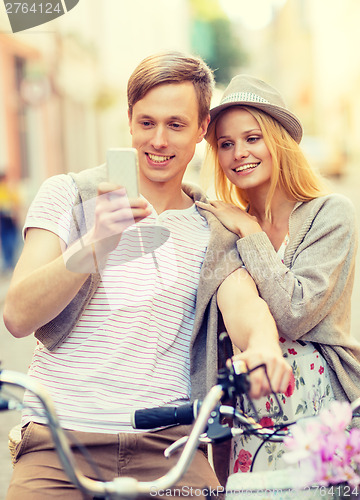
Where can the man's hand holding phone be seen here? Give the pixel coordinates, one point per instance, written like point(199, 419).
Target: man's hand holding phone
point(114, 212)
point(118, 206)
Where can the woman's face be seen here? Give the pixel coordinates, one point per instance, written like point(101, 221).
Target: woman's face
point(243, 154)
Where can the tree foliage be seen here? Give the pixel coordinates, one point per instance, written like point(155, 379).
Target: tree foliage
point(214, 39)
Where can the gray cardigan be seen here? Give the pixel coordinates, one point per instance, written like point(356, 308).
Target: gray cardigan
point(221, 259)
point(310, 294)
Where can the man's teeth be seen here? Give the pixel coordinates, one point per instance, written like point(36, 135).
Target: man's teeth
point(246, 167)
point(158, 159)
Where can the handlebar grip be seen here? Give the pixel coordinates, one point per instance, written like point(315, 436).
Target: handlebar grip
point(162, 416)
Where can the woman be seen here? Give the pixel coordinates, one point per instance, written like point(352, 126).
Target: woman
point(297, 241)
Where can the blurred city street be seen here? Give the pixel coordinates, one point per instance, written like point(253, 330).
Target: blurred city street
point(16, 354)
point(63, 99)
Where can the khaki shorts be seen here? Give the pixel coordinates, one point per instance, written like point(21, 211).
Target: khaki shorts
point(38, 474)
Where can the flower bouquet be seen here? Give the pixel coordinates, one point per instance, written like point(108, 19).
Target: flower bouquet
point(323, 455)
point(327, 450)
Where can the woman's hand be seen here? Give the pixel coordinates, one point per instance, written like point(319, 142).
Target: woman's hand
point(277, 369)
point(233, 218)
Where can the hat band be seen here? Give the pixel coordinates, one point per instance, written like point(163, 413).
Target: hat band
point(243, 96)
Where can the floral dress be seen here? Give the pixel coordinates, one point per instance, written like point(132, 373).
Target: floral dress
point(308, 392)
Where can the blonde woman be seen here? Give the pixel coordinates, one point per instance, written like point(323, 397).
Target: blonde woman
point(297, 241)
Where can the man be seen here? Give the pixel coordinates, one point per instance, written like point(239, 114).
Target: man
point(117, 334)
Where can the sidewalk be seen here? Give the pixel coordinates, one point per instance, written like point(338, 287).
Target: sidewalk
point(15, 354)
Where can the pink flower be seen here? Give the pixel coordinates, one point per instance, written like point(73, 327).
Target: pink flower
point(300, 444)
point(321, 370)
point(312, 366)
point(328, 453)
point(352, 448)
point(337, 417)
point(243, 461)
point(292, 351)
point(282, 340)
point(268, 406)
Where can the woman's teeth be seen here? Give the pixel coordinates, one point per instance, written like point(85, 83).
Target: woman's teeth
point(248, 166)
point(158, 159)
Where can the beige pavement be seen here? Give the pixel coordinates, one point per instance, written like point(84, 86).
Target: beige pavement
point(16, 354)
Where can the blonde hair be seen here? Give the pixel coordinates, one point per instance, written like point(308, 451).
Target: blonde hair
point(291, 170)
point(171, 68)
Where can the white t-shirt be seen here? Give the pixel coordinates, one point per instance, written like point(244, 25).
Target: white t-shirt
point(130, 348)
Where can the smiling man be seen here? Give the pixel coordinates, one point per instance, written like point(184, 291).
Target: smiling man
point(99, 362)
point(102, 361)
point(165, 128)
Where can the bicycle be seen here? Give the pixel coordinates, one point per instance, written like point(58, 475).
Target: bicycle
point(208, 428)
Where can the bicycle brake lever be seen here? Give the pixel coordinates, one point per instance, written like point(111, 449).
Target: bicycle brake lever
point(216, 431)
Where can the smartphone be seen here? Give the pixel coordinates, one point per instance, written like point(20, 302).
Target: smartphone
point(122, 169)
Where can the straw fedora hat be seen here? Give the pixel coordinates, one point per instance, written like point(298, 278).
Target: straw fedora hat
point(245, 90)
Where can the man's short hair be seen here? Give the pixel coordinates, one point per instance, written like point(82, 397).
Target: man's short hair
point(172, 67)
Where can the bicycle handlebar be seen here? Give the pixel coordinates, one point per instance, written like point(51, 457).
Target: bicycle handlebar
point(151, 418)
point(122, 487)
point(205, 415)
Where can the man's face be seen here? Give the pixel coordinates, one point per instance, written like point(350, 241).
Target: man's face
point(165, 130)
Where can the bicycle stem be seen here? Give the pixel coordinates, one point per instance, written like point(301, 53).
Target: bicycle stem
point(174, 474)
